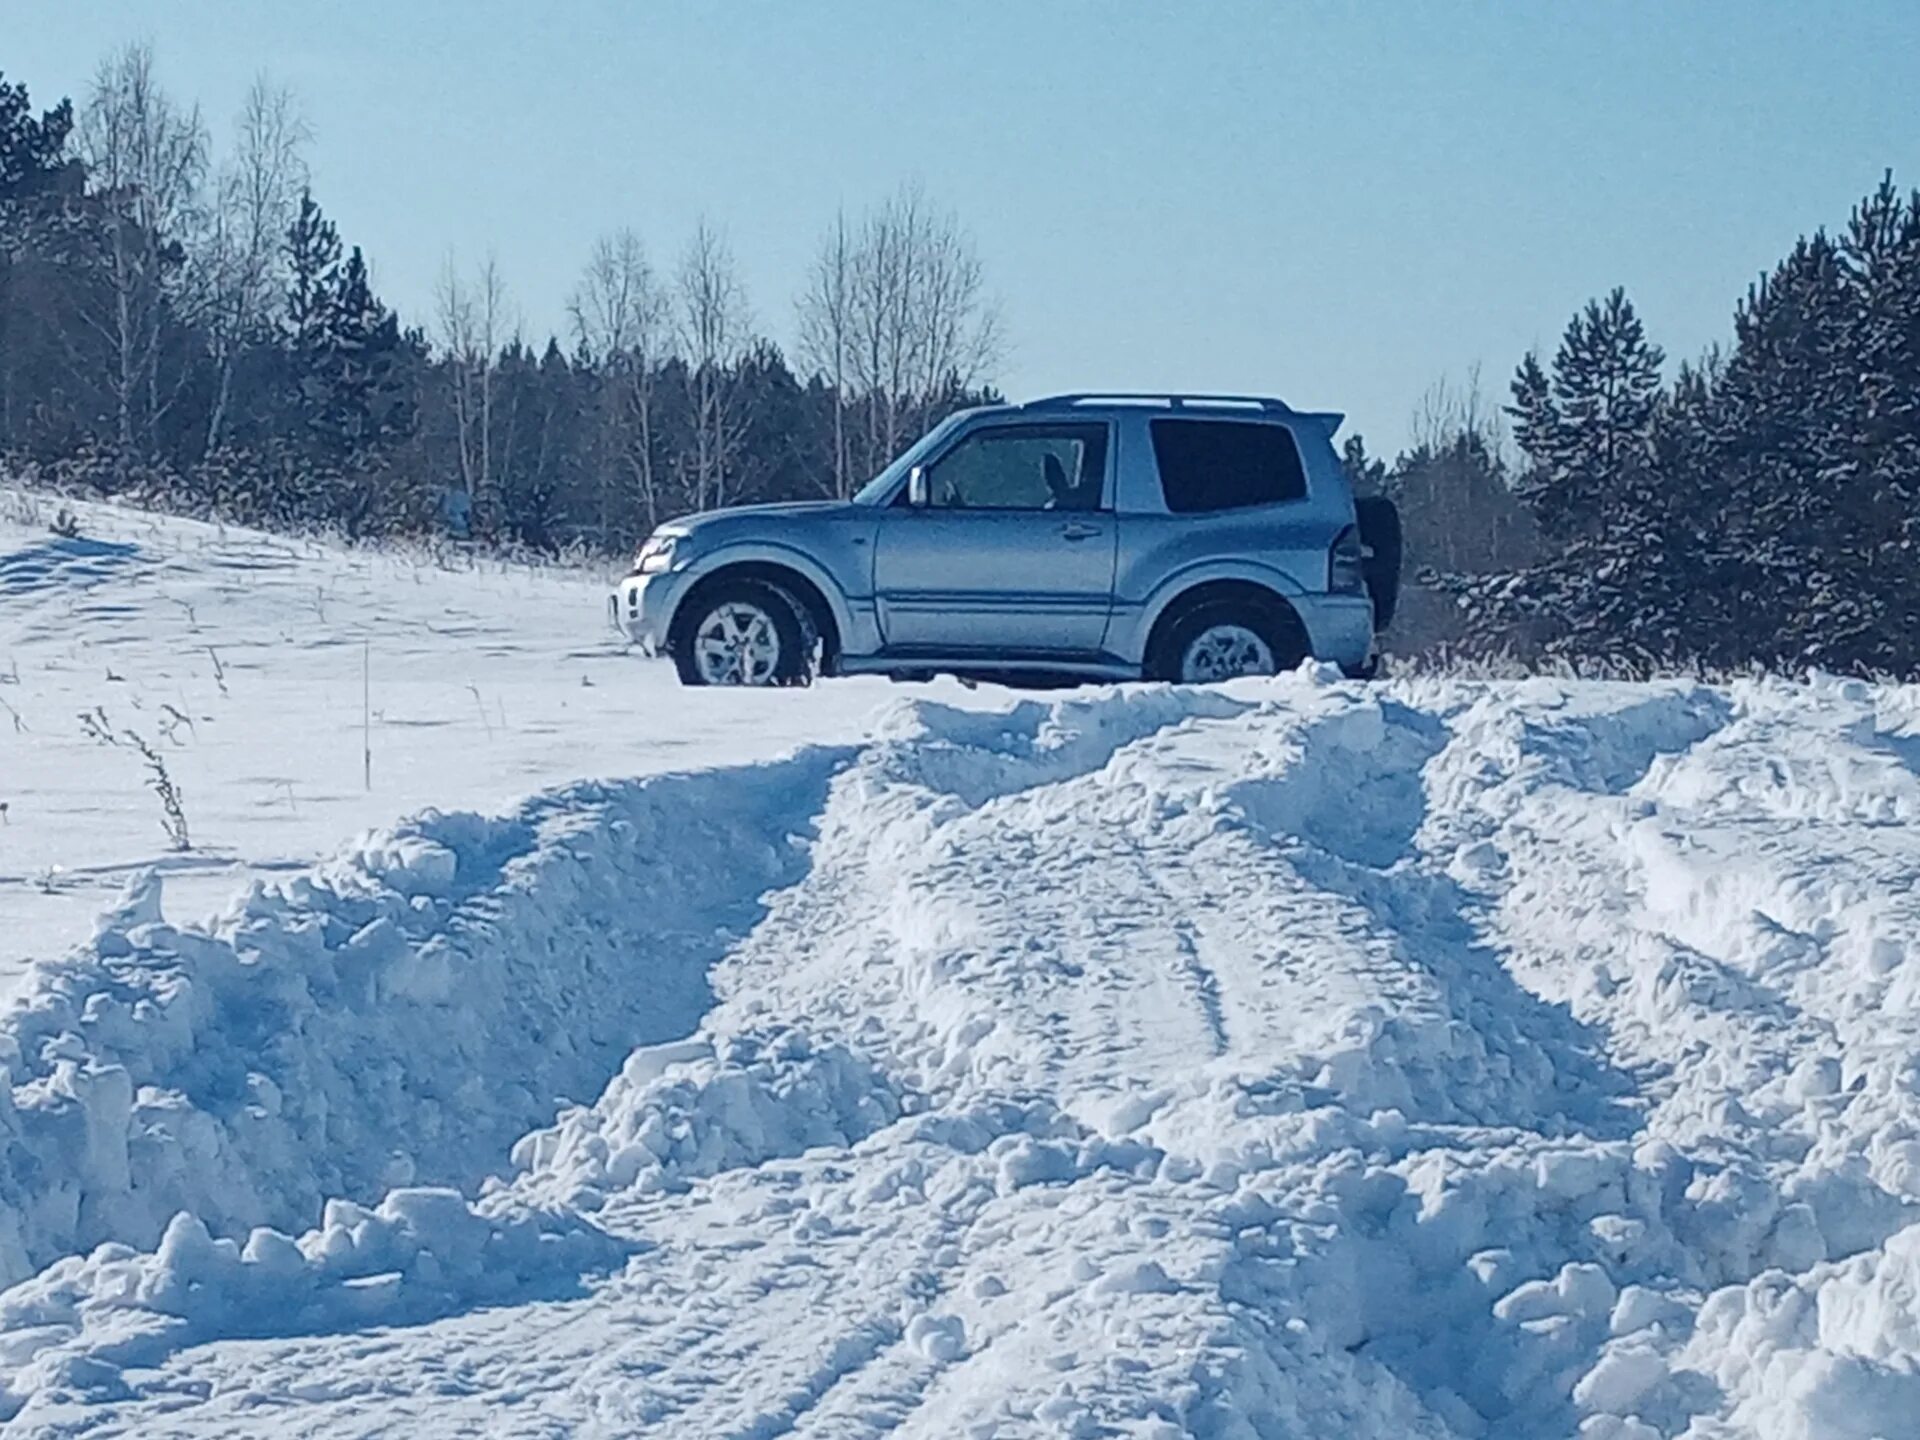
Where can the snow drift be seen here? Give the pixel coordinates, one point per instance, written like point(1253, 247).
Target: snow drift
point(1427, 1059)
point(399, 1016)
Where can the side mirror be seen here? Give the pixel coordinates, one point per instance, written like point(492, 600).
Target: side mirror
point(917, 487)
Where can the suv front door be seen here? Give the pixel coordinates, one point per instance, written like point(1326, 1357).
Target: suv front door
point(1013, 552)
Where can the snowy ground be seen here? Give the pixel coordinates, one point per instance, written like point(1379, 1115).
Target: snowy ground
point(1430, 1059)
point(239, 657)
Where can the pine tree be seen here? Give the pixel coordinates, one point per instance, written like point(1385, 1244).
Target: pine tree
point(1710, 568)
point(1608, 587)
point(1880, 464)
point(32, 152)
point(1366, 474)
point(560, 442)
point(1778, 463)
point(363, 401)
point(1536, 429)
point(1606, 383)
point(34, 175)
point(352, 370)
point(313, 260)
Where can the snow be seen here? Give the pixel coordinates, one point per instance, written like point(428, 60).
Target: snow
point(240, 656)
point(1425, 1059)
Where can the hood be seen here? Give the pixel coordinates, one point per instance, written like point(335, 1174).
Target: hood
point(812, 509)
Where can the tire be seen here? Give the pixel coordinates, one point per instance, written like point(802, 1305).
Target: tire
point(738, 619)
point(1278, 634)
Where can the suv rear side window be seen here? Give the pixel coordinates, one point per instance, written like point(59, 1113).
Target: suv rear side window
point(1226, 464)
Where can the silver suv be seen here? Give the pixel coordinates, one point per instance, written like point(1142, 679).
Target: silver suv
point(1178, 537)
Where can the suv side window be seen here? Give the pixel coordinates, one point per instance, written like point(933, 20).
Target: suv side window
point(1226, 464)
point(1022, 467)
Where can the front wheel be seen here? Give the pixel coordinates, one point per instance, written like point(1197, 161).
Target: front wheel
point(1220, 642)
point(745, 633)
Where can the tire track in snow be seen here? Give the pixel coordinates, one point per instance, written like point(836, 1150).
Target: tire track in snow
point(1205, 983)
point(891, 902)
point(1114, 788)
point(846, 1346)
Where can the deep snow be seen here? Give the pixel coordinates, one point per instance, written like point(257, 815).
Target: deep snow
point(1298, 1058)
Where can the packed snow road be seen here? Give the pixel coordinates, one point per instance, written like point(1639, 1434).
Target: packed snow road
point(1426, 1059)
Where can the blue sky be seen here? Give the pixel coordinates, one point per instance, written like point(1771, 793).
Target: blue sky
point(1338, 203)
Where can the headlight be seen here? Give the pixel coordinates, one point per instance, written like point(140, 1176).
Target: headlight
point(656, 555)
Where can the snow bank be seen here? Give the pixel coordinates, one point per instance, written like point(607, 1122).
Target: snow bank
point(400, 1016)
point(1434, 1060)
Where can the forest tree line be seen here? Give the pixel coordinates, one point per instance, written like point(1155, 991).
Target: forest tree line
point(191, 330)
point(1760, 508)
point(194, 331)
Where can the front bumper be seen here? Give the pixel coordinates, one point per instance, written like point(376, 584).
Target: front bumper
point(642, 608)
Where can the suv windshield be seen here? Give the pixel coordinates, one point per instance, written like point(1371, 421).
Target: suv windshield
point(875, 490)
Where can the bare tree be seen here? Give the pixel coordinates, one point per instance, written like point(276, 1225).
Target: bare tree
point(959, 329)
point(620, 316)
point(921, 324)
point(147, 159)
point(257, 192)
point(474, 325)
point(712, 323)
point(827, 334)
point(1448, 409)
point(454, 319)
point(1453, 483)
point(883, 334)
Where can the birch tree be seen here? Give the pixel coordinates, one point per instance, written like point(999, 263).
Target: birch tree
point(147, 159)
point(827, 335)
point(620, 318)
point(711, 320)
point(897, 314)
point(474, 325)
point(257, 195)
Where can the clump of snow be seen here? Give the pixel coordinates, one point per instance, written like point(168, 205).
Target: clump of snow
point(1829, 1352)
point(418, 1254)
point(677, 1112)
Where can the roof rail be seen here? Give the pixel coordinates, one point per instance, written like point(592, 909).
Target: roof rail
point(1170, 401)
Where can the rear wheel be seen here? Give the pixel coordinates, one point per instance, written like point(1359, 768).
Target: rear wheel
point(1225, 640)
point(745, 632)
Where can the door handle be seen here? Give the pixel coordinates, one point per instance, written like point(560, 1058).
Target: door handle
point(1079, 532)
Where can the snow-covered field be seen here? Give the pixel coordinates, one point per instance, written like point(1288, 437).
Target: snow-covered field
point(1428, 1059)
point(264, 669)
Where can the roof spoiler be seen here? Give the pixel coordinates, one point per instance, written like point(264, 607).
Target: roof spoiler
point(1329, 420)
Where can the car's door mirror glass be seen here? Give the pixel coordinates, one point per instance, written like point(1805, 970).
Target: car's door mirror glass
point(917, 486)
